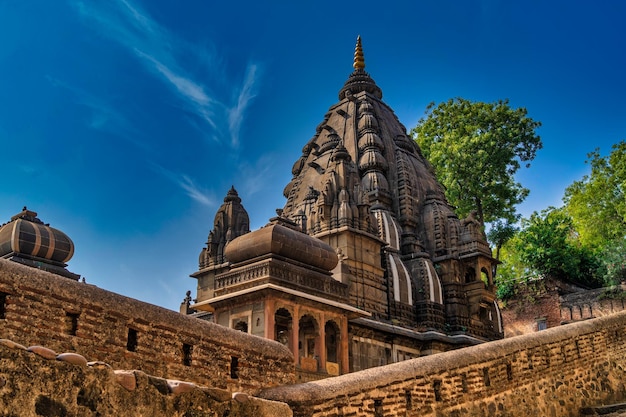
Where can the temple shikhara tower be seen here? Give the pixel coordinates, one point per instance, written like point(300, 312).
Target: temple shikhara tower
point(366, 264)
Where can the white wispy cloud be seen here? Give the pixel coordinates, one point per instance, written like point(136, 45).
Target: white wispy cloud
point(194, 192)
point(256, 176)
point(245, 96)
point(161, 52)
point(185, 183)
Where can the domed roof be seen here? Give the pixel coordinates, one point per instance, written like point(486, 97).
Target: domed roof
point(280, 240)
point(26, 235)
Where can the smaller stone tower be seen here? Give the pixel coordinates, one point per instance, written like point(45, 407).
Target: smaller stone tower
point(231, 221)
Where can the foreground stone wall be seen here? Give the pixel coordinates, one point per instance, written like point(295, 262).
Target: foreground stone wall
point(32, 386)
point(40, 308)
point(555, 372)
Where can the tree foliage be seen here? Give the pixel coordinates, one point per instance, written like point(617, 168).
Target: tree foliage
point(597, 203)
point(548, 244)
point(583, 242)
point(476, 149)
point(500, 233)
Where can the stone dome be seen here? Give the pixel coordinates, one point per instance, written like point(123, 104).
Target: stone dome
point(277, 239)
point(28, 236)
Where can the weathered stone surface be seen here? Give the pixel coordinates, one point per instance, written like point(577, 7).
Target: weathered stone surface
point(42, 351)
point(32, 386)
point(217, 394)
point(267, 408)
point(73, 358)
point(126, 379)
point(241, 397)
point(178, 387)
point(11, 344)
point(99, 365)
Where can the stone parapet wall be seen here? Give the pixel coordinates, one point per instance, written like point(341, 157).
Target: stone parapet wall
point(591, 303)
point(39, 308)
point(32, 386)
point(555, 372)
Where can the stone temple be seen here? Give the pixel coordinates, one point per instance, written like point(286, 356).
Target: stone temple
point(366, 264)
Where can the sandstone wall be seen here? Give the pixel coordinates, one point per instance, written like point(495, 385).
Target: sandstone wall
point(524, 315)
point(39, 308)
point(554, 372)
point(591, 303)
point(32, 386)
point(536, 306)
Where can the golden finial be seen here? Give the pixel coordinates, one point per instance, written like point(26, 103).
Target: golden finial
point(359, 60)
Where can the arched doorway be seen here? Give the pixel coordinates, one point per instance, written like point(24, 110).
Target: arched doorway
point(308, 343)
point(331, 331)
point(283, 327)
point(332, 345)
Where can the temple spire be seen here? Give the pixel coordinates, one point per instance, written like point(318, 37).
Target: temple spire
point(359, 80)
point(359, 60)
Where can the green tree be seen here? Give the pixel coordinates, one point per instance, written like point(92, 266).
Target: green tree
point(548, 243)
point(512, 272)
point(597, 203)
point(476, 149)
point(500, 233)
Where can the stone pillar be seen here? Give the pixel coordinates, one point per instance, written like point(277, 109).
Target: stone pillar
point(343, 347)
point(322, 337)
point(269, 319)
point(296, 333)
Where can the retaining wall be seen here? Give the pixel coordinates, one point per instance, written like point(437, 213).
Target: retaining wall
point(554, 372)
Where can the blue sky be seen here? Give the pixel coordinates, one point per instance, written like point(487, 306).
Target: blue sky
point(125, 122)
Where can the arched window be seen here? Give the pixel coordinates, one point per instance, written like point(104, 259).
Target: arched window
point(241, 325)
point(484, 276)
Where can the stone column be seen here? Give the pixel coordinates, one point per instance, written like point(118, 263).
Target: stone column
point(270, 304)
point(296, 333)
point(342, 355)
point(322, 336)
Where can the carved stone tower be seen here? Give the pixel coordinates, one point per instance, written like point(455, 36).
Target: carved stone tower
point(407, 276)
point(231, 221)
point(363, 187)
